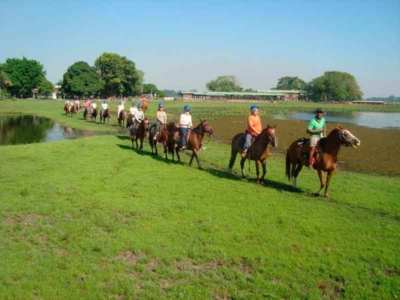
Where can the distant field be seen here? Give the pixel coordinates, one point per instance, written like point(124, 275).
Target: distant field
point(93, 219)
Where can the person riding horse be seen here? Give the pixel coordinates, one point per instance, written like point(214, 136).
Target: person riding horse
point(104, 107)
point(121, 107)
point(317, 130)
point(138, 118)
point(253, 128)
point(161, 119)
point(185, 125)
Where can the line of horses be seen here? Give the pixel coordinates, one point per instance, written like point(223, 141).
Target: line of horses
point(296, 156)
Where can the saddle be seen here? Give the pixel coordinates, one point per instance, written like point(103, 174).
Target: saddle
point(242, 139)
point(304, 151)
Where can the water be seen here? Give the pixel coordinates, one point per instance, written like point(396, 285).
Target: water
point(368, 119)
point(24, 129)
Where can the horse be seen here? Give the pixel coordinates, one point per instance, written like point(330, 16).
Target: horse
point(73, 109)
point(105, 114)
point(129, 121)
point(85, 112)
point(93, 115)
point(194, 138)
point(163, 137)
point(121, 118)
point(139, 133)
point(66, 108)
point(297, 156)
point(258, 151)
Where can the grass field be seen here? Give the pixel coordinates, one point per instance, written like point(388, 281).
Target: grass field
point(93, 219)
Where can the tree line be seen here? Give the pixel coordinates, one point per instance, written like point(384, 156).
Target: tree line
point(113, 75)
point(333, 85)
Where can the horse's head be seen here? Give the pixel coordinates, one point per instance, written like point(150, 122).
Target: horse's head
point(269, 132)
point(204, 127)
point(347, 138)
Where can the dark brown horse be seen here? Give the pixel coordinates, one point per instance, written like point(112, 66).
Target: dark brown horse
point(93, 115)
point(129, 121)
point(122, 118)
point(85, 112)
point(162, 137)
point(66, 108)
point(195, 136)
point(297, 156)
point(258, 151)
point(138, 132)
point(105, 114)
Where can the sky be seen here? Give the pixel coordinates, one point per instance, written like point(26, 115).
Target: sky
point(182, 45)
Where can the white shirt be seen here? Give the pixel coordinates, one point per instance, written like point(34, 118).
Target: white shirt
point(104, 105)
point(121, 107)
point(185, 121)
point(133, 110)
point(139, 115)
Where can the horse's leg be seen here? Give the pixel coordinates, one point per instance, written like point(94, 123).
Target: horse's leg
point(321, 180)
point(296, 168)
point(258, 171)
point(264, 168)
point(177, 153)
point(328, 182)
point(232, 160)
point(242, 161)
point(194, 154)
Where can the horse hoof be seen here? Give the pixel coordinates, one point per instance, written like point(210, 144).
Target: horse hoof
point(316, 194)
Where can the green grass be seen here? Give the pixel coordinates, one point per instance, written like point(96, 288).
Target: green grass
point(92, 219)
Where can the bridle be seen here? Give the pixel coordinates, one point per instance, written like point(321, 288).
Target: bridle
point(343, 137)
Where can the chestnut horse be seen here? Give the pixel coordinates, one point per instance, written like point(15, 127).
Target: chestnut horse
point(66, 108)
point(258, 150)
point(194, 138)
point(139, 133)
point(105, 114)
point(73, 109)
point(297, 156)
point(163, 137)
point(145, 105)
point(94, 114)
point(121, 118)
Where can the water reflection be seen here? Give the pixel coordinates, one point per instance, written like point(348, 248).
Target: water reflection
point(369, 119)
point(24, 129)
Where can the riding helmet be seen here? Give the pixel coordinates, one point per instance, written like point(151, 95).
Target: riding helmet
point(139, 105)
point(319, 110)
point(133, 103)
point(253, 107)
point(187, 107)
point(105, 101)
point(160, 105)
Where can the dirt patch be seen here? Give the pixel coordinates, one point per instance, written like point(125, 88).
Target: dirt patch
point(61, 252)
point(26, 221)
point(331, 289)
point(129, 257)
point(189, 267)
point(151, 266)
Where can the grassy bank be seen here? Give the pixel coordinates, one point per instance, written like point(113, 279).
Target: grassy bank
point(92, 219)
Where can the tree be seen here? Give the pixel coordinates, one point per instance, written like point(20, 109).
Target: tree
point(5, 81)
point(227, 83)
point(45, 87)
point(119, 75)
point(25, 75)
point(334, 85)
point(150, 88)
point(290, 83)
point(249, 90)
point(81, 80)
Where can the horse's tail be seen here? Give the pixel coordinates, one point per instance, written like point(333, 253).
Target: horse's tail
point(288, 165)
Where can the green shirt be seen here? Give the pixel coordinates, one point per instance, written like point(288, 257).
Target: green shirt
point(316, 124)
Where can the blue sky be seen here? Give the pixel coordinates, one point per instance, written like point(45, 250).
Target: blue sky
point(184, 44)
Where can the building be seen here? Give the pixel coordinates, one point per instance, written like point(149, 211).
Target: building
point(257, 95)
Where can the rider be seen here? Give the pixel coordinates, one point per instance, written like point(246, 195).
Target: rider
point(104, 106)
point(93, 106)
point(121, 107)
point(139, 117)
point(133, 110)
point(185, 124)
point(161, 119)
point(253, 128)
point(317, 129)
point(86, 104)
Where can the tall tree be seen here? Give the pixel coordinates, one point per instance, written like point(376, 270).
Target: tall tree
point(25, 75)
point(81, 80)
point(119, 75)
point(334, 85)
point(5, 81)
point(150, 88)
point(290, 83)
point(45, 87)
point(227, 83)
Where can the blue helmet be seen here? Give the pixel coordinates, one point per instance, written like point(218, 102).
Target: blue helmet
point(253, 107)
point(133, 103)
point(139, 105)
point(160, 105)
point(187, 107)
point(105, 101)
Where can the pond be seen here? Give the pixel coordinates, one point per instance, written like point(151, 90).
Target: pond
point(368, 119)
point(26, 129)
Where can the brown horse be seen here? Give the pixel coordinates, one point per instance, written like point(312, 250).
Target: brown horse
point(73, 109)
point(162, 137)
point(66, 108)
point(195, 136)
point(145, 105)
point(121, 118)
point(297, 156)
point(138, 132)
point(94, 114)
point(258, 151)
point(85, 112)
point(105, 114)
